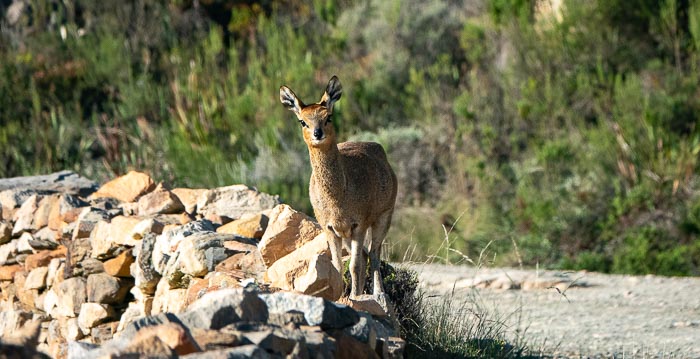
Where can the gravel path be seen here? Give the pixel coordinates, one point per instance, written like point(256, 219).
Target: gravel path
point(597, 316)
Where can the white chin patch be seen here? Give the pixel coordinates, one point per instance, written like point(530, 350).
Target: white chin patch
point(318, 142)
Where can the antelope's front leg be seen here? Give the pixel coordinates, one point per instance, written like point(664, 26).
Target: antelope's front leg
point(357, 268)
point(334, 244)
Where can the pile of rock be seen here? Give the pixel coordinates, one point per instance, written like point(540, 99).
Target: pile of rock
point(164, 271)
point(242, 323)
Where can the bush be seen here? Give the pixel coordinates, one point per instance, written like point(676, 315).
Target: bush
point(446, 328)
point(453, 328)
point(524, 129)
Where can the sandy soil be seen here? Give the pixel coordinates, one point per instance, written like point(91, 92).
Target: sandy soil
point(583, 314)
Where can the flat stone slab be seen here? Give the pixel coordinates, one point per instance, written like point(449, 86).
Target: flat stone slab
point(63, 181)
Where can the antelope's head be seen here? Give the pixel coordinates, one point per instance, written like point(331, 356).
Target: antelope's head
point(315, 119)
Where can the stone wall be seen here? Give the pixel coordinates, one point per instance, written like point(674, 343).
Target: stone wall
point(133, 267)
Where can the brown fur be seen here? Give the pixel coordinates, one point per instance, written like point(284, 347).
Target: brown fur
point(352, 187)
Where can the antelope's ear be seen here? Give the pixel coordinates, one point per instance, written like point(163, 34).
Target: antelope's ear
point(290, 100)
point(333, 92)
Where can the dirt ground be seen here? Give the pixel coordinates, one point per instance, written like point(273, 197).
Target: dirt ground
point(582, 314)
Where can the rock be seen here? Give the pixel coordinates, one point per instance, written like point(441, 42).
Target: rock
point(121, 231)
point(249, 263)
point(243, 351)
point(287, 230)
point(146, 277)
point(119, 266)
point(88, 218)
point(168, 298)
point(43, 258)
point(71, 329)
point(65, 211)
point(208, 339)
point(51, 301)
point(218, 309)
point(8, 272)
point(103, 332)
point(188, 197)
point(129, 208)
point(76, 254)
point(36, 278)
point(106, 289)
point(138, 309)
point(223, 280)
point(12, 199)
point(392, 347)
point(55, 339)
point(365, 330)
point(317, 311)
point(213, 282)
point(290, 319)
point(349, 347)
point(45, 238)
point(8, 252)
point(130, 330)
point(166, 245)
point(234, 202)
point(92, 314)
point(5, 232)
point(198, 287)
point(318, 343)
point(88, 266)
point(250, 226)
point(146, 346)
point(23, 342)
point(321, 279)
point(84, 350)
point(46, 204)
point(63, 181)
point(55, 272)
point(278, 341)
point(24, 217)
point(71, 293)
point(25, 296)
point(174, 335)
point(23, 246)
point(309, 269)
point(160, 201)
point(13, 320)
point(127, 188)
point(8, 292)
point(365, 303)
point(195, 256)
point(105, 203)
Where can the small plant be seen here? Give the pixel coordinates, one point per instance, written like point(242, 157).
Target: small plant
point(444, 328)
point(453, 328)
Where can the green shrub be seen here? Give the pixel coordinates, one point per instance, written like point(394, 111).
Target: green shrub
point(651, 250)
point(563, 141)
point(454, 328)
point(445, 328)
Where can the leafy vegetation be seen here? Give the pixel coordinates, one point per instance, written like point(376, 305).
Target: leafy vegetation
point(448, 327)
point(560, 135)
point(454, 328)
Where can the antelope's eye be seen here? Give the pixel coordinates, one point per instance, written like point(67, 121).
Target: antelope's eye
point(303, 124)
point(328, 120)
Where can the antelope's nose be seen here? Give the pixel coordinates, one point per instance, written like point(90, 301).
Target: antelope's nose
point(318, 133)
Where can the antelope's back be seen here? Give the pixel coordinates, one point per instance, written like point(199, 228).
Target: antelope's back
point(369, 175)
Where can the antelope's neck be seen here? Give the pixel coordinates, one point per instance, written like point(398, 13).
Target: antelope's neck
point(326, 169)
